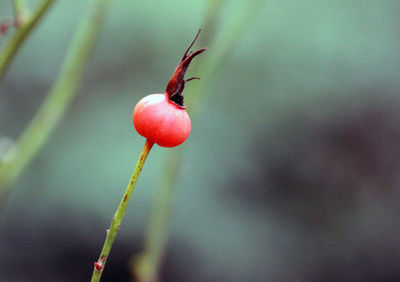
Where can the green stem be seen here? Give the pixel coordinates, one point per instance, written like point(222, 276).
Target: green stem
point(119, 214)
point(57, 100)
point(24, 28)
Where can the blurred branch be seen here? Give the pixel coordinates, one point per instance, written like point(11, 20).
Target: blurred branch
point(222, 48)
point(211, 17)
point(146, 266)
point(58, 98)
point(24, 28)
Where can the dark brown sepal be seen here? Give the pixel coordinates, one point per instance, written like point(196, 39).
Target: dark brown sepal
point(177, 82)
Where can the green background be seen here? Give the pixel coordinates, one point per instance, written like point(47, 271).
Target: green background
point(290, 172)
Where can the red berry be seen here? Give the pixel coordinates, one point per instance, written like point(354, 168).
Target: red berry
point(161, 121)
point(162, 118)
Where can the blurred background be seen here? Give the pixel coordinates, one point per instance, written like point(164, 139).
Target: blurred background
point(291, 171)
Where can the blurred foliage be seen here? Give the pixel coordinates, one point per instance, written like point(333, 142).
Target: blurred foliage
point(289, 175)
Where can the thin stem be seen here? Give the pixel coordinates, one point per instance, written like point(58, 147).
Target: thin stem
point(119, 214)
point(25, 27)
point(57, 100)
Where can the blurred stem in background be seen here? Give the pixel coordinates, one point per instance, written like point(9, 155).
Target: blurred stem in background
point(58, 99)
point(146, 266)
point(24, 25)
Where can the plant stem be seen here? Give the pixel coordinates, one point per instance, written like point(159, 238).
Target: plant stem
point(57, 100)
point(24, 28)
point(119, 214)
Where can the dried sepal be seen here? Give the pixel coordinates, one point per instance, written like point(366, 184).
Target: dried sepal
point(177, 82)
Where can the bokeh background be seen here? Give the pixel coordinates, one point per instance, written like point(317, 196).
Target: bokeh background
point(291, 172)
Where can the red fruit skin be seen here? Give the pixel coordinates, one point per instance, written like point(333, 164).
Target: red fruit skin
point(161, 121)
